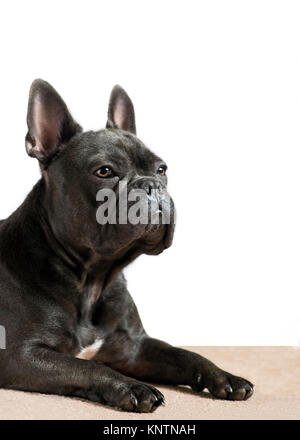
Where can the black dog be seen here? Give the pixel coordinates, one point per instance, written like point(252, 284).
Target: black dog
point(72, 328)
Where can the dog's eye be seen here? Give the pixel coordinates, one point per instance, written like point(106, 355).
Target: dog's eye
point(162, 170)
point(104, 172)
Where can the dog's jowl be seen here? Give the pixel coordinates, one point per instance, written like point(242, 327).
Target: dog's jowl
point(70, 323)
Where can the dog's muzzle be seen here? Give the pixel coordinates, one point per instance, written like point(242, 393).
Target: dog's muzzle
point(161, 209)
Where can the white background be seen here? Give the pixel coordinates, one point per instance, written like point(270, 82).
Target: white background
point(216, 90)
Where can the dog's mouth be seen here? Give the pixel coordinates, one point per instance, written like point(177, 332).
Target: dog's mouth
point(155, 245)
point(145, 224)
point(159, 236)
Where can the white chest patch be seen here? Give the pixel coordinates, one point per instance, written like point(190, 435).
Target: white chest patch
point(90, 351)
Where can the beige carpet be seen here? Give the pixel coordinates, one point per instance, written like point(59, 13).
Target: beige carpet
point(275, 371)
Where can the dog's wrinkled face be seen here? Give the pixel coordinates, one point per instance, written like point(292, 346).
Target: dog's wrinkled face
point(82, 169)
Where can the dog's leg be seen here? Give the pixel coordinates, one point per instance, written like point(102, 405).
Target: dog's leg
point(47, 371)
point(129, 350)
point(159, 362)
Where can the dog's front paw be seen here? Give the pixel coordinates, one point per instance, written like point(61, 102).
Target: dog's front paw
point(223, 385)
point(139, 397)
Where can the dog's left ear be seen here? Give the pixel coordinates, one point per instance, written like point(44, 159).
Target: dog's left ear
point(50, 124)
point(121, 111)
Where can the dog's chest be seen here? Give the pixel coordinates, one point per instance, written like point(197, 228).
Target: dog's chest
point(88, 336)
point(89, 341)
point(90, 351)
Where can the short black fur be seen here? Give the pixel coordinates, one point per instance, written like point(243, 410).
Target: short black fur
point(61, 281)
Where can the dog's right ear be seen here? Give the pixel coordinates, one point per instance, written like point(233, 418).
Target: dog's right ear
point(50, 124)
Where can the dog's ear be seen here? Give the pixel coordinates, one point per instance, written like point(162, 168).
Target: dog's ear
point(121, 111)
point(50, 124)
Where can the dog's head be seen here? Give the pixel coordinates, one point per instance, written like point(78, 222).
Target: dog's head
point(105, 191)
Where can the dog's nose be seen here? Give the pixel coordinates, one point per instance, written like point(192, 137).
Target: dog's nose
point(147, 184)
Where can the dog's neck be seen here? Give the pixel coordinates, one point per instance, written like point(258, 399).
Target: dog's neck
point(30, 224)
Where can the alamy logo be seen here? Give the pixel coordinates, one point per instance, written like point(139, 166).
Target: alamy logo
point(2, 338)
point(135, 206)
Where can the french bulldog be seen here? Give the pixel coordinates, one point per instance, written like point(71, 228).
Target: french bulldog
point(71, 325)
